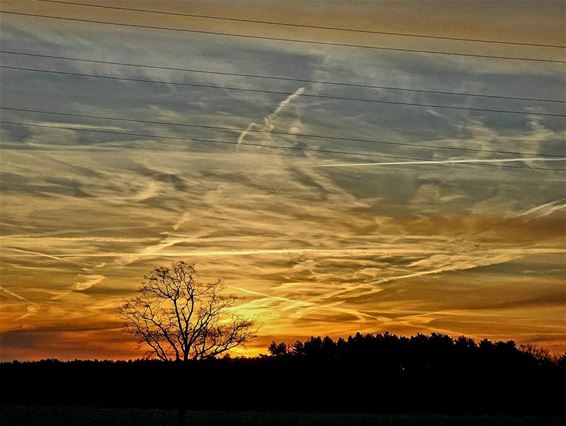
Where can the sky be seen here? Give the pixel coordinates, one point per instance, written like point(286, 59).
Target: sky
point(314, 242)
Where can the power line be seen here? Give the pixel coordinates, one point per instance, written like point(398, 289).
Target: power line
point(324, 137)
point(318, 27)
point(213, 141)
point(291, 40)
point(360, 85)
point(276, 147)
point(305, 95)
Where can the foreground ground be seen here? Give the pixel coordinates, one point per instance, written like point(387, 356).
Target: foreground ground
point(76, 416)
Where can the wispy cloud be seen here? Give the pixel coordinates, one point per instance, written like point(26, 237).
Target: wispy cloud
point(441, 162)
point(545, 209)
point(285, 103)
point(313, 250)
point(11, 293)
point(268, 121)
point(242, 135)
point(90, 281)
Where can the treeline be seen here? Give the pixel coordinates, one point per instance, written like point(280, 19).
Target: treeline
point(371, 372)
point(419, 351)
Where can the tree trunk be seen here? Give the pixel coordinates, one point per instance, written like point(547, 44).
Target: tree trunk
point(182, 411)
point(181, 415)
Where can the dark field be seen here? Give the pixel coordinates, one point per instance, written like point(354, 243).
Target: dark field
point(78, 416)
point(366, 380)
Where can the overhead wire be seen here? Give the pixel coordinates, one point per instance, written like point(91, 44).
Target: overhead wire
point(296, 25)
point(280, 78)
point(276, 147)
point(290, 40)
point(304, 95)
point(297, 135)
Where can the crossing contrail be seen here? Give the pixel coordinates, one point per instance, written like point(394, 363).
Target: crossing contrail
point(433, 162)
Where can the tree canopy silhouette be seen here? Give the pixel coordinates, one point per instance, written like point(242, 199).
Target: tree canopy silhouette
point(374, 372)
point(180, 318)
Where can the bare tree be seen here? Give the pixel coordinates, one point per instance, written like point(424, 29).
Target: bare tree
point(179, 318)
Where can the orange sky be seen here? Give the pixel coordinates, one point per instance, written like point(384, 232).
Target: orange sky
point(524, 21)
point(454, 248)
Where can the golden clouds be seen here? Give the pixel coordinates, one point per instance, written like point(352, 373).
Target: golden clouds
point(456, 248)
point(524, 21)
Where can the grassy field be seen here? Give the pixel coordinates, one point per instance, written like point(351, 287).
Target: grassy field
point(76, 416)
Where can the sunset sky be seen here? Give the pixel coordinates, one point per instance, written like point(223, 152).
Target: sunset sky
point(315, 242)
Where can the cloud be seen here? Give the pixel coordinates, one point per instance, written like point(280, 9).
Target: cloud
point(151, 190)
point(285, 103)
point(79, 286)
point(11, 293)
point(268, 121)
point(35, 253)
point(545, 209)
point(90, 281)
point(442, 263)
point(313, 250)
point(31, 308)
point(242, 136)
point(440, 162)
point(183, 219)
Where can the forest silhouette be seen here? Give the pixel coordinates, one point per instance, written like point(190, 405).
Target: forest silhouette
point(365, 372)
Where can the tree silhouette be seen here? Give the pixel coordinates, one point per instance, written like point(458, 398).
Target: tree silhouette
point(373, 372)
point(278, 349)
point(180, 318)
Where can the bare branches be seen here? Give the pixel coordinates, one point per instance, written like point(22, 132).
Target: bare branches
point(218, 339)
point(179, 318)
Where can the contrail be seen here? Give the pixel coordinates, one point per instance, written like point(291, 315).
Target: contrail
point(267, 296)
point(49, 256)
point(432, 162)
point(287, 101)
point(387, 251)
point(268, 120)
point(543, 209)
point(91, 281)
point(17, 296)
point(31, 309)
point(242, 135)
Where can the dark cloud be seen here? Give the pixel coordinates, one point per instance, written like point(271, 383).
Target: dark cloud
point(411, 248)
